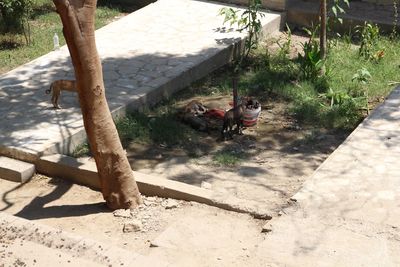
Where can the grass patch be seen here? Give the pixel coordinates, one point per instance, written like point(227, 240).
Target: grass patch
point(44, 23)
point(81, 150)
point(333, 101)
point(227, 159)
point(161, 129)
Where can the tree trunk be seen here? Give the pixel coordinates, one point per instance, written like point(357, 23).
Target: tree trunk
point(117, 182)
point(322, 35)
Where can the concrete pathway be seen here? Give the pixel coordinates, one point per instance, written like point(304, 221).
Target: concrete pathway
point(146, 55)
point(25, 243)
point(348, 212)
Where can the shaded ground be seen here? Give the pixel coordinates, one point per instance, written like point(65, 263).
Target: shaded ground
point(270, 161)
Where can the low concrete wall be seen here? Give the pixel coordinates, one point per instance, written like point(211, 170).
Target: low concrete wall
point(306, 14)
point(138, 3)
point(84, 171)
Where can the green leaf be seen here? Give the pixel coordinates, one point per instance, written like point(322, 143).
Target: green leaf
point(308, 32)
point(334, 10)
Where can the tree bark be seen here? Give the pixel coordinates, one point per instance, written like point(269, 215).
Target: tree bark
point(117, 182)
point(322, 35)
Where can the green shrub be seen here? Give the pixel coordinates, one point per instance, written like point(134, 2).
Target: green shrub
point(14, 16)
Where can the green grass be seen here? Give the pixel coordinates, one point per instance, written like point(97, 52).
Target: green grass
point(81, 150)
point(44, 23)
point(160, 129)
point(226, 158)
point(277, 76)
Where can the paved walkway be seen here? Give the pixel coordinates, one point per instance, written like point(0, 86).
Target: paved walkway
point(348, 212)
point(146, 55)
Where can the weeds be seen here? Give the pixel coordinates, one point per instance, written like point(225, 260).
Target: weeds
point(81, 150)
point(362, 76)
point(311, 62)
point(284, 48)
point(337, 10)
point(369, 37)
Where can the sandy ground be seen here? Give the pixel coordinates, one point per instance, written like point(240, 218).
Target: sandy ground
point(77, 209)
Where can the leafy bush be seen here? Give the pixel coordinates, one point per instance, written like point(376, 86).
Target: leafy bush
point(14, 15)
point(248, 21)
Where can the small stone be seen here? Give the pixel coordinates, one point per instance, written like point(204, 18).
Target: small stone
point(205, 185)
point(266, 228)
point(122, 213)
point(133, 226)
point(171, 204)
point(147, 203)
point(151, 199)
point(153, 245)
point(295, 148)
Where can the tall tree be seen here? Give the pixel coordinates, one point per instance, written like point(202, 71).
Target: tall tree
point(117, 182)
point(322, 34)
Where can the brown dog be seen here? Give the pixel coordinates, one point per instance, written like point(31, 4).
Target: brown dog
point(233, 116)
point(57, 86)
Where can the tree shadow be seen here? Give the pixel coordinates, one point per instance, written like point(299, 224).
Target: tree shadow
point(39, 207)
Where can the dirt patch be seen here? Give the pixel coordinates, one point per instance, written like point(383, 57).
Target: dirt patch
point(82, 211)
point(268, 163)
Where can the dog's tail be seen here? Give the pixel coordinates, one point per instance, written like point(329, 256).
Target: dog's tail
point(48, 91)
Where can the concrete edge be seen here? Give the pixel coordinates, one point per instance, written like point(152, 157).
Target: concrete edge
point(302, 193)
point(84, 171)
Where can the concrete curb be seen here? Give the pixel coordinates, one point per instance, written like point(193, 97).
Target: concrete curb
point(84, 171)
